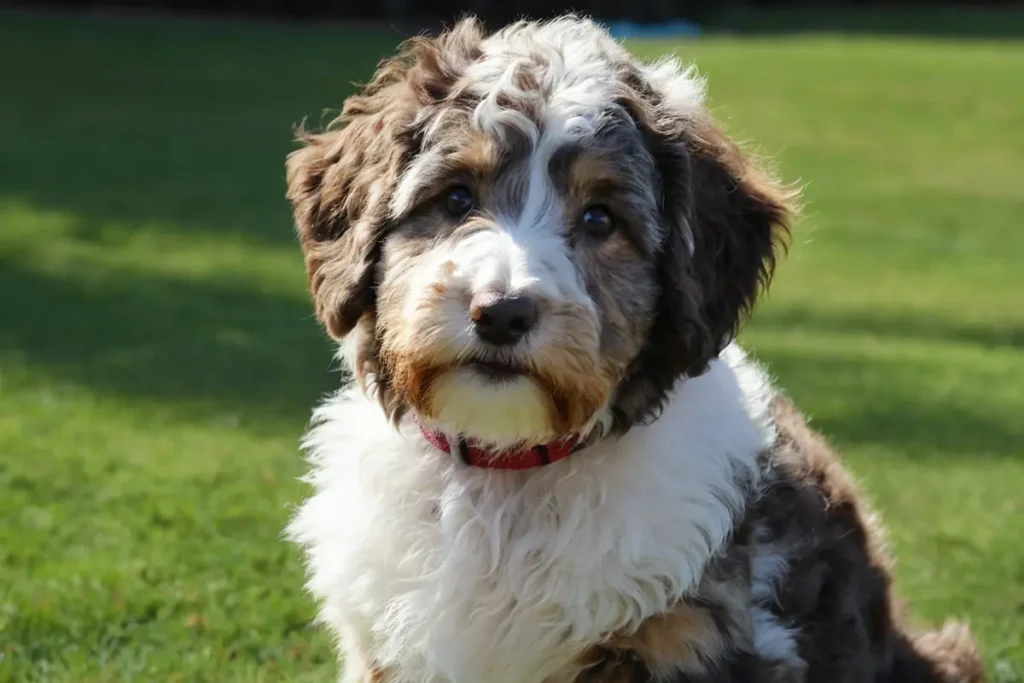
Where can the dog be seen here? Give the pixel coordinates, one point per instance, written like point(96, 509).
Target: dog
point(555, 464)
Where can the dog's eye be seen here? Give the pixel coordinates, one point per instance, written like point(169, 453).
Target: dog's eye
point(459, 201)
point(598, 221)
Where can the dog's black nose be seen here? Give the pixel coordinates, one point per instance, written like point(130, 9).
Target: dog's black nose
point(503, 320)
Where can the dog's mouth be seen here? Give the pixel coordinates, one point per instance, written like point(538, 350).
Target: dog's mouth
point(496, 371)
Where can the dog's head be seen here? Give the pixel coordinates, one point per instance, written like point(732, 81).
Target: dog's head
point(526, 234)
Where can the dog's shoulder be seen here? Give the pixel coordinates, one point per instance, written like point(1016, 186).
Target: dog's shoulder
point(810, 511)
point(802, 585)
point(834, 582)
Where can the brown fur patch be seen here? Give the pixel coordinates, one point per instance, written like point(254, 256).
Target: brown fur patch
point(340, 183)
point(949, 655)
point(697, 638)
point(573, 397)
point(478, 158)
point(685, 639)
point(591, 177)
point(414, 382)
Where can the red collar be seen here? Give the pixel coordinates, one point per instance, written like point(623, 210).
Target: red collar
point(520, 459)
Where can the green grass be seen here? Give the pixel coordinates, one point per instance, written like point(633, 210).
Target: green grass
point(158, 359)
point(909, 19)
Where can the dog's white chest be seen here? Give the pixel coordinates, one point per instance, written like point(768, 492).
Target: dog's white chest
point(438, 572)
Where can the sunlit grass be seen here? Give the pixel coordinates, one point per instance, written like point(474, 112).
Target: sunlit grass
point(158, 358)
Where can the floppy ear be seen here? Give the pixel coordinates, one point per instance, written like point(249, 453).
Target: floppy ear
point(739, 220)
point(725, 222)
point(339, 185)
point(341, 182)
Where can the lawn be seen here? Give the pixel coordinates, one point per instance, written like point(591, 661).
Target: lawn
point(158, 359)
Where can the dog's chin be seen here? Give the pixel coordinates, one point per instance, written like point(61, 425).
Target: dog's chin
point(493, 404)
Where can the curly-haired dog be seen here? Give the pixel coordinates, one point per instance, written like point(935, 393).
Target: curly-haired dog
point(555, 465)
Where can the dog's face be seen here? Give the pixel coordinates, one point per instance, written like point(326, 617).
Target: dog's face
point(529, 234)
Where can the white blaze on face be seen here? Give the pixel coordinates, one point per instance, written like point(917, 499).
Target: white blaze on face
point(563, 74)
point(524, 254)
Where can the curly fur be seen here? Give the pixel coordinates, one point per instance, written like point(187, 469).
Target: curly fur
point(705, 533)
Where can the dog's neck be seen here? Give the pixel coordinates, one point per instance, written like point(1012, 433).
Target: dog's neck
point(505, 576)
point(517, 458)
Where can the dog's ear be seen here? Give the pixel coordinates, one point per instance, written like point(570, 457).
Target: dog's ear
point(725, 223)
point(735, 225)
point(340, 183)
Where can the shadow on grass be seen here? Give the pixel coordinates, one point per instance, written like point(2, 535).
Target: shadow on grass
point(213, 349)
point(892, 325)
point(187, 179)
point(185, 125)
point(217, 348)
point(890, 403)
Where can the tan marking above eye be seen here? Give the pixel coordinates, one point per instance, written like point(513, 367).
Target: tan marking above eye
point(478, 156)
point(589, 174)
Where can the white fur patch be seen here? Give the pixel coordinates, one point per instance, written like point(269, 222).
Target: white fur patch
point(466, 575)
point(773, 640)
point(439, 573)
point(769, 568)
point(683, 89)
point(498, 413)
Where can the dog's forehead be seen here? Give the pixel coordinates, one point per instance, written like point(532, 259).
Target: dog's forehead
point(534, 89)
point(557, 79)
